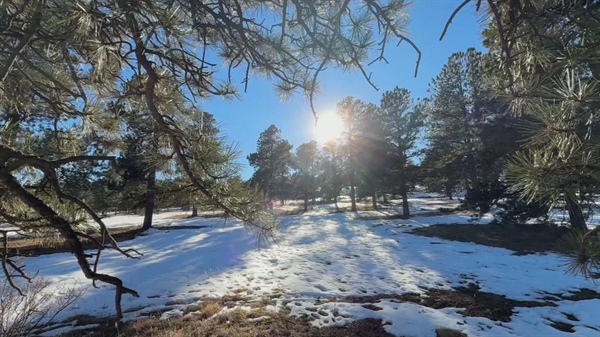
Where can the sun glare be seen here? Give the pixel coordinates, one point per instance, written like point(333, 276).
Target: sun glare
point(329, 127)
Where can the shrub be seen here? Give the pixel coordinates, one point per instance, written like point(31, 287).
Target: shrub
point(22, 315)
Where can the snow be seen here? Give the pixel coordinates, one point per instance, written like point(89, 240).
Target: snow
point(131, 220)
point(561, 217)
point(320, 255)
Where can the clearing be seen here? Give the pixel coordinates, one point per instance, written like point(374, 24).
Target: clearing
point(352, 274)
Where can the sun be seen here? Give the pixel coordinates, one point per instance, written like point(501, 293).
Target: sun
point(329, 127)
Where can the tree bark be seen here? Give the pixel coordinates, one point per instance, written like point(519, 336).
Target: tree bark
point(353, 197)
point(150, 198)
point(305, 204)
point(194, 211)
point(405, 208)
point(576, 217)
point(374, 200)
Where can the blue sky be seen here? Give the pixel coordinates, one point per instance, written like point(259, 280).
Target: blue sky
point(242, 120)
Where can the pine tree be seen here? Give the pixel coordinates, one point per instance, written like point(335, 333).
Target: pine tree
point(401, 128)
point(371, 154)
point(469, 132)
point(272, 162)
point(307, 163)
point(332, 166)
point(549, 73)
point(353, 113)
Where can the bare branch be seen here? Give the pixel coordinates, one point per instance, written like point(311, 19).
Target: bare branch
point(454, 13)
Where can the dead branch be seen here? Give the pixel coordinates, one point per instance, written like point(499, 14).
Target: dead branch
point(72, 239)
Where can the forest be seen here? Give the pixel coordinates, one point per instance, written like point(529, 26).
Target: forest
point(101, 117)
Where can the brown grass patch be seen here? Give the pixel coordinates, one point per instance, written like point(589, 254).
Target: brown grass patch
point(207, 319)
point(236, 323)
point(445, 332)
point(282, 212)
point(523, 239)
point(56, 244)
point(35, 246)
point(205, 309)
point(180, 217)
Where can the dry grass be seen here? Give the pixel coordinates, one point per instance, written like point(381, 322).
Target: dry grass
point(235, 323)
point(445, 332)
point(219, 317)
point(34, 246)
point(41, 242)
point(180, 217)
point(205, 309)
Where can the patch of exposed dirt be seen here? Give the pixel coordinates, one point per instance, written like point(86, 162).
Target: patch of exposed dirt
point(575, 295)
point(523, 239)
point(476, 303)
point(562, 326)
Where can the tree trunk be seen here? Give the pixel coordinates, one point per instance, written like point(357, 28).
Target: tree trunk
point(353, 198)
point(150, 198)
point(405, 208)
point(385, 199)
point(374, 200)
point(194, 211)
point(576, 217)
point(335, 203)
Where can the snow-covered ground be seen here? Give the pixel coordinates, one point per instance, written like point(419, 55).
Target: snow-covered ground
point(130, 220)
point(417, 202)
point(322, 255)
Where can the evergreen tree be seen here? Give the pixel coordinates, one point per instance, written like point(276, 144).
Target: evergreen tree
point(469, 132)
point(371, 151)
point(353, 113)
point(139, 158)
point(332, 166)
point(546, 71)
point(401, 128)
point(272, 162)
point(307, 164)
point(455, 112)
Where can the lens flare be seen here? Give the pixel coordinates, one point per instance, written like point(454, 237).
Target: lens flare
point(329, 127)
